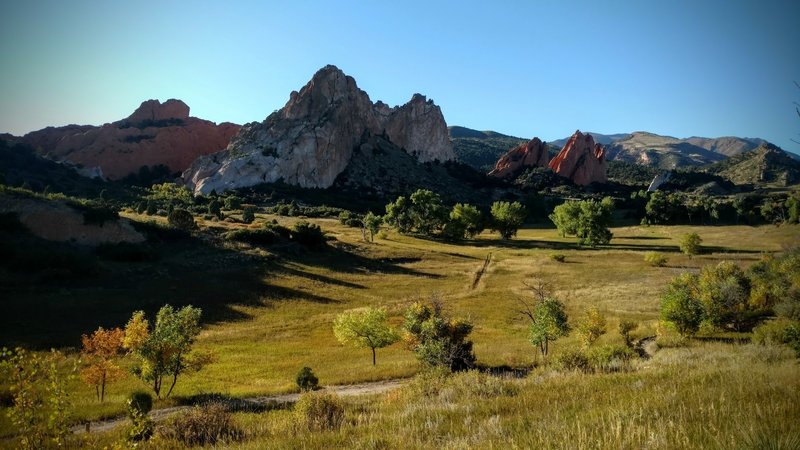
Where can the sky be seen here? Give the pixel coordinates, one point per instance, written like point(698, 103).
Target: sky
point(526, 68)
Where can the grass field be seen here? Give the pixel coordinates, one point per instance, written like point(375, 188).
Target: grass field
point(269, 313)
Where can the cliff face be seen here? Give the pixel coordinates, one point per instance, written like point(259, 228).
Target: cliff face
point(156, 133)
point(311, 140)
point(581, 160)
point(532, 154)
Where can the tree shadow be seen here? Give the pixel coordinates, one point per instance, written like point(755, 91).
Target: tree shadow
point(41, 312)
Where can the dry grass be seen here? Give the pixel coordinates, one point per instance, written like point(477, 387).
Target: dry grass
point(290, 327)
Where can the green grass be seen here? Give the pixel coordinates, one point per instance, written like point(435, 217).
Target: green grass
point(270, 312)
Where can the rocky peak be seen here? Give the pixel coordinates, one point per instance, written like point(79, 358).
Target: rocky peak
point(310, 141)
point(532, 154)
point(581, 160)
point(154, 110)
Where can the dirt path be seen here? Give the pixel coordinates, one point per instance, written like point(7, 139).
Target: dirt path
point(157, 415)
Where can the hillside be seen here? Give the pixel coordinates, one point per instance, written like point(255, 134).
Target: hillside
point(481, 149)
point(767, 165)
point(663, 152)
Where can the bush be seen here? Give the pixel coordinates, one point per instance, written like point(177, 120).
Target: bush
point(574, 360)
point(306, 379)
point(208, 424)
point(249, 214)
point(349, 219)
point(690, 244)
point(320, 411)
point(181, 219)
point(558, 257)
point(139, 404)
point(655, 259)
point(262, 236)
point(232, 202)
point(308, 234)
point(778, 332)
point(610, 358)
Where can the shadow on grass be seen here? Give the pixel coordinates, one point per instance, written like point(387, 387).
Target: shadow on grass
point(233, 404)
point(43, 308)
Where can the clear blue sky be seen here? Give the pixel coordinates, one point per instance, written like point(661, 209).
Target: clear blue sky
point(527, 68)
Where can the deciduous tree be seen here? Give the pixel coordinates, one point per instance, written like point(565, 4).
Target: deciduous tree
point(364, 327)
point(99, 351)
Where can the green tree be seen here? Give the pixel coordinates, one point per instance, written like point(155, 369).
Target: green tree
point(507, 218)
point(724, 291)
point(215, 208)
point(592, 326)
point(249, 214)
point(372, 224)
point(690, 244)
point(588, 220)
point(165, 350)
point(465, 221)
point(680, 305)
point(306, 380)
point(427, 212)
point(436, 339)
point(548, 323)
point(366, 328)
point(398, 215)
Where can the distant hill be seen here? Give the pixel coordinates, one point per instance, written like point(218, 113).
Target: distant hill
point(481, 149)
point(663, 152)
point(604, 139)
point(765, 166)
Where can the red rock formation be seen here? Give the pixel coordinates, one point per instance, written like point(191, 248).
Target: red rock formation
point(581, 160)
point(532, 154)
point(156, 133)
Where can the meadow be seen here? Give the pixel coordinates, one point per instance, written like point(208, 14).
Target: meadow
point(268, 312)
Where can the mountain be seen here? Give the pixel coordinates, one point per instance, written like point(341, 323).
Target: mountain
point(767, 165)
point(599, 138)
point(728, 145)
point(663, 152)
point(155, 134)
point(311, 140)
point(481, 149)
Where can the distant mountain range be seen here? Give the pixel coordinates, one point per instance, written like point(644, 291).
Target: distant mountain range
point(480, 149)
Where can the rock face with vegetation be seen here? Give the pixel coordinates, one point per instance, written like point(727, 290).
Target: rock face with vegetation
point(581, 160)
point(56, 221)
point(532, 154)
point(155, 134)
point(311, 140)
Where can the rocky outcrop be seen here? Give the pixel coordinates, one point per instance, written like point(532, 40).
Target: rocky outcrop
point(532, 154)
point(581, 160)
point(55, 221)
point(311, 140)
point(155, 134)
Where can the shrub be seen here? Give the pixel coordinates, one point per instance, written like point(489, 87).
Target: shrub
point(232, 202)
point(306, 379)
point(263, 236)
point(575, 360)
point(690, 244)
point(558, 257)
point(181, 219)
point(680, 305)
point(208, 424)
point(308, 234)
point(139, 405)
point(778, 332)
point(592, 326)
point(320, 411)
point(436, 339)
point(214, 208)
point(610, 358)
point(349, 219)
point(249, 214)
point(655, 259)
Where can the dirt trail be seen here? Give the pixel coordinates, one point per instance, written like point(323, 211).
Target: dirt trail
point(376, 387)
